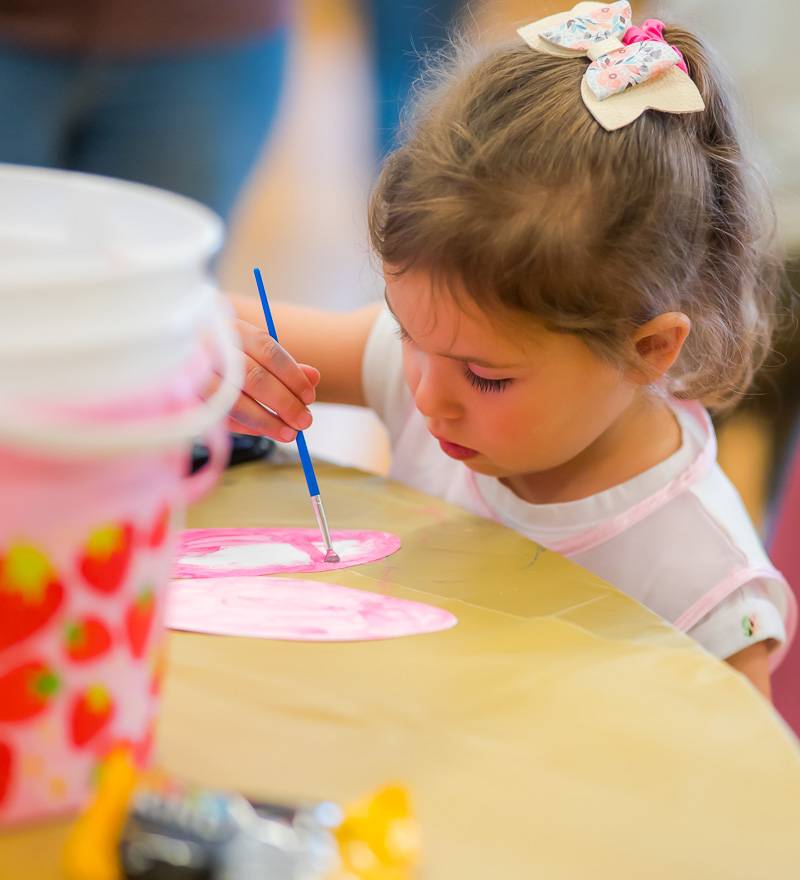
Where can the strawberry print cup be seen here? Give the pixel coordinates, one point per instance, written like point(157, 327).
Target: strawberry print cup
point(86, 551)
point(87, 546)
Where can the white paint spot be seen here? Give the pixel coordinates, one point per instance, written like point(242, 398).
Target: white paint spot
point(249, 556)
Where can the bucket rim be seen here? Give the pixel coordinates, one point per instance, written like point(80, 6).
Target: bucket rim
point(205, 240)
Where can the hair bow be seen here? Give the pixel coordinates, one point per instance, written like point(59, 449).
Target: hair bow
point(632, 69)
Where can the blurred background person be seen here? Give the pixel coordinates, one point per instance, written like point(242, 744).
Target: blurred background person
point(179, 94)
point(400, 35)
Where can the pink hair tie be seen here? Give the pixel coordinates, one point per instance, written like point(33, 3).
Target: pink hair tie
point(652, 29)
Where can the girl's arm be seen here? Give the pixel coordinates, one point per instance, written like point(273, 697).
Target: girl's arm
point(753, 662)
point(279, 376)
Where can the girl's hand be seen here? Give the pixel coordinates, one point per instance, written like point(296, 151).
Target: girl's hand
point(273, 381)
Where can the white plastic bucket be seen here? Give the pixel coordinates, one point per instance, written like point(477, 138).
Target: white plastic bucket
point(93, 271)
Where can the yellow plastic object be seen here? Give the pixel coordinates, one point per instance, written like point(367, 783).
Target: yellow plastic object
point(379, 837)
point(90, 852)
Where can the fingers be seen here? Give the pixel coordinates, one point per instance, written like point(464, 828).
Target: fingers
point(276, 388)
point(262, 387)
point(275, 360)
point(249, 417)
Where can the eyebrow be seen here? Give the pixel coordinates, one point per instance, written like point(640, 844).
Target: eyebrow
point(479, 362)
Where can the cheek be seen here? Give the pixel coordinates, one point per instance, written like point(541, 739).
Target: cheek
point(505, 420)
point(593, 398)
point(563, 406)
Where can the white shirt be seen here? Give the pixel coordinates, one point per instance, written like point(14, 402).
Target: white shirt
point(676, 538)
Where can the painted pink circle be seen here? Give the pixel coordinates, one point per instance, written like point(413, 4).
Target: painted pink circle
point(214, 553)
point(296, 610)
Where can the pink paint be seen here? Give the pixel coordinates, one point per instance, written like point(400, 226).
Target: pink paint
point(296, 610)
point(213, 553)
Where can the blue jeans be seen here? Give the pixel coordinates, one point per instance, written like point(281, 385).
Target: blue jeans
point(401, 31)
point(192, 122)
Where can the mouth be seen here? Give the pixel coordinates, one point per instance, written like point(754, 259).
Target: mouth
point(455, 450)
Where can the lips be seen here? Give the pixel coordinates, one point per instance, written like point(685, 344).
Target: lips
point(455, 450)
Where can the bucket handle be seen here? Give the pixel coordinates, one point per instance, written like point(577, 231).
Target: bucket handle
point(196, 485)
point(40, 435)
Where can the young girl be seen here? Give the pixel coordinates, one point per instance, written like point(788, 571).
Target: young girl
point(562, 302)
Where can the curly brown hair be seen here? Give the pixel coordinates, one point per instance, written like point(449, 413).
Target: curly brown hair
point(507, 184)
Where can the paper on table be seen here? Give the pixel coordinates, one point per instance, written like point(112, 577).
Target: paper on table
point(296, 610)
point(229, 552)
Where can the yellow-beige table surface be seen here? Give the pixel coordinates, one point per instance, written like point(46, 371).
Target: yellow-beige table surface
point(560, 730)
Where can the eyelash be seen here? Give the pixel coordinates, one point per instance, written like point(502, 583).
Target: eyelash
point(479, 382)
point(483, 384)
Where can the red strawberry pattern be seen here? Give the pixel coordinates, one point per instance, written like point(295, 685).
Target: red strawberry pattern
point(139, 621)
point(6, 759)
point(106, 556)
point(77, 719)
point(26, 691)
point(158, 531)
point(91, 712)
point(30, 593)
point(86, 639)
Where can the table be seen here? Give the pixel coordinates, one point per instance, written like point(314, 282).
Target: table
point(561, 730)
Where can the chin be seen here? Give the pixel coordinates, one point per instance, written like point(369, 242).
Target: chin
point(488, 468)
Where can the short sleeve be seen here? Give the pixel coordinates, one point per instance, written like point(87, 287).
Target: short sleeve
point(382, 375)
point(748, 616)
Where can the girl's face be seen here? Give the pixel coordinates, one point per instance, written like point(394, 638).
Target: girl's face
point(508, 398)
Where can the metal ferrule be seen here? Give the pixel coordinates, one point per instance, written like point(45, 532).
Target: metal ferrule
point(322, 521)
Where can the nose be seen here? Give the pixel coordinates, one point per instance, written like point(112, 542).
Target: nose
point(432, 396)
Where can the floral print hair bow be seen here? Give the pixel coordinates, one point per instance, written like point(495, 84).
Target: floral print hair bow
point(632, 70)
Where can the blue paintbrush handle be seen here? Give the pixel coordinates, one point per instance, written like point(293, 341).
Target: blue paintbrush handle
point(265, 304)
point(302, 448)
point(308, 468)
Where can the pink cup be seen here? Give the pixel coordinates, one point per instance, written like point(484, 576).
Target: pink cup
point(86, 550)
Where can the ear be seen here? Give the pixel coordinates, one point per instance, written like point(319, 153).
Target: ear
point(659, 342)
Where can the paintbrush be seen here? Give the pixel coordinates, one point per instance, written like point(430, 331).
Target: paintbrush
point(305, 459)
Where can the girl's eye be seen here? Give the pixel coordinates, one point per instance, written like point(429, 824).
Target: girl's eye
point(483, 384)
point(402, 335)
